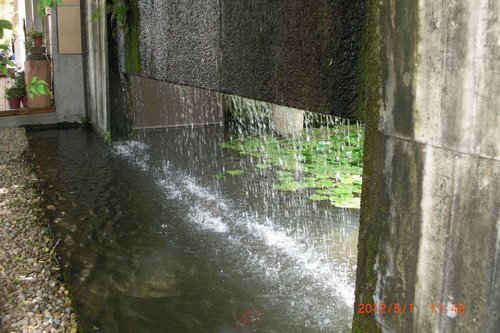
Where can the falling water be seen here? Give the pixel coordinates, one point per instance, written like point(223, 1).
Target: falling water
point(150, 239)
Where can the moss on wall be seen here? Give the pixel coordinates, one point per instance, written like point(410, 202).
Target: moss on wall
point(132, 52)
point(369, 67)
point(368, 109)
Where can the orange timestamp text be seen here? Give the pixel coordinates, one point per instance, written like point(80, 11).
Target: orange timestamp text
point(457, 308)
point(382, 308)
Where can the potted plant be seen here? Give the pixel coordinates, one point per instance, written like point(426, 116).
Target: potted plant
point(14, 95)
point(19, 82)
point(35, 38)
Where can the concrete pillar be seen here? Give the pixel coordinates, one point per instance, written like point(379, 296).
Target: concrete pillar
point(429, 229)
point(96, 66)
point(285, 120)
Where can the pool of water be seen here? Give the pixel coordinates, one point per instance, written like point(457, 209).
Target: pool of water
point(151, 241)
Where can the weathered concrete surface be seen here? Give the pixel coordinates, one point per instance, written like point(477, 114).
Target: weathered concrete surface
point(430, 217)
point(179, 41)
point(286, 121)
point(461, 55)
point(299, 54)
point(69, 92)
point(281, 52)
point(96, 66)
point(162, 104)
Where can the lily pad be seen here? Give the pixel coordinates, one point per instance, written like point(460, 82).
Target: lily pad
point(317, 197)
point(328, 159)
point(288, 186)
point(350, 203)
point(236, 172)
point(262, 166)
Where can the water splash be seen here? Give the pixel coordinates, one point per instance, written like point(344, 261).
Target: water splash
point(315, 287)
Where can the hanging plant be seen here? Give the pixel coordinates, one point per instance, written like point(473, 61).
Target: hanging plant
point(118, 11)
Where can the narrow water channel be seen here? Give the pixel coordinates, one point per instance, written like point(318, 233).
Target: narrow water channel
point(151, 241)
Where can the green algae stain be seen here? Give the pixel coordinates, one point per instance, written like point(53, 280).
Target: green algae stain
point(327, 159)
point(132, 46)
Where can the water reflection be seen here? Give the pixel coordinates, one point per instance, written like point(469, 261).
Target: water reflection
point(152, 242)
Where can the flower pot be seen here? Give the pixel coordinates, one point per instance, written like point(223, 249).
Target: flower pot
point(14, 103)
point(25, 101)
point(37, 41)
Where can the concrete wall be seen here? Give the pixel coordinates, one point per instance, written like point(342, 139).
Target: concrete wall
point(96, 66)
point(165, 104)
point(297, 53)
point(430, 215)
point(69, 94)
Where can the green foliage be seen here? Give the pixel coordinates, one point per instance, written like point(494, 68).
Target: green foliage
point(235, 172)
point(5, 25)
point(18, 89)
point(37, 87)
point(85, 122)
point(19, 79)
point(262, 166)
point(32, 34)
point(47, 3)
point(107, 137)
point(132, 47)
point(325, 160)
point(14, 92)
point(118, 11)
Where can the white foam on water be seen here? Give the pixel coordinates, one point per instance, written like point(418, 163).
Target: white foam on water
point(206, 220)
point(331, 277)
point(312, 262)
point(283, 257)
point(133, 151)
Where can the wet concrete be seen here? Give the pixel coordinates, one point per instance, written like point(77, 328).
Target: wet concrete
point(429, 229)
point(299, 54)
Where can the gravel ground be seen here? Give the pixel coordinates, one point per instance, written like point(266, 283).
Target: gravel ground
point(32, 296)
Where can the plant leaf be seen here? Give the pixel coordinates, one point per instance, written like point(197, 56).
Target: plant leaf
point(235, 172)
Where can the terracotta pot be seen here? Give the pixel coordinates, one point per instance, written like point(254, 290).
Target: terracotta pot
point(14, 103)
point(25, 101)
point(37, 41)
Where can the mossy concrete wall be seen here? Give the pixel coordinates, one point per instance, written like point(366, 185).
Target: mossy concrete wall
point(430, 217)
point(302, 54)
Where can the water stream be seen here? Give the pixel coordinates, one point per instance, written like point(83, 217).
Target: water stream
point(151, 241)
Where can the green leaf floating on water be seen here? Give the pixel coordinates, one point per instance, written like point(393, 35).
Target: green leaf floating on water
point(262, 166)
point(328, 160)
point(219, 176)
point(317, 197)
point(288, 186)
point(236, 172)
point(346, 203)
